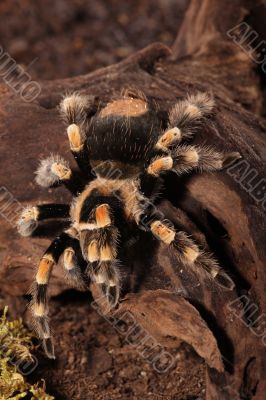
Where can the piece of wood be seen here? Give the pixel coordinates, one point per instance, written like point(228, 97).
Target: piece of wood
point(220, 209)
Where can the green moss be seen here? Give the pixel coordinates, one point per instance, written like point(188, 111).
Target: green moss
point(15, 348)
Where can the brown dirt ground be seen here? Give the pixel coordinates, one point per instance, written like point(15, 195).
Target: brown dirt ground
point(56, 39)
point(62, 38)
point(94, 362)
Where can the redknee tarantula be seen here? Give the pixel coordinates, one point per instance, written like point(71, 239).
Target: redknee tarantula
point(122, 150)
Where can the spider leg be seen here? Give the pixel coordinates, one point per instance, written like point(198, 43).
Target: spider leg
point(39, 304)
point(72, 266)
point(99, 248)
point(150, 186)
point(54, 171)
point(74, 111)
point(186, 158)
point(185, 118)
point(189, 253)
point(31, 215)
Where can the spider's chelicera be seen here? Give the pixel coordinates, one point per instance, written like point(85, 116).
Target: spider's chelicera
point(122, 150)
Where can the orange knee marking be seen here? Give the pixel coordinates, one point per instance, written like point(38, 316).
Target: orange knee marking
point(61, 171)
point(191, 156)
point(191, 254)
point(93, 251)
point(102, 215)
point(107, 253)
point(39, 309)
point(160, 165)
point(162, 231)
point(169, 137)
point(74, 137)
point(44, 269)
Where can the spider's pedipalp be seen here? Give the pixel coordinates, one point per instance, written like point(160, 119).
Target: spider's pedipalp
point(185, 117)
point(54, 170)
point(189, 253)
point(31, 215)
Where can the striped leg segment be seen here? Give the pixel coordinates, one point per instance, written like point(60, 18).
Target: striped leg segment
point(99, 248)
point(190, 254)
point(187, 158)
point(30, 216)
point(183, 121)
point(39, 304)
point(106, 274)
point(54, 171)
point(74, 110)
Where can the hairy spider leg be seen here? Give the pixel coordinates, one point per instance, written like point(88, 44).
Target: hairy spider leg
point(39, 304)
point(74, 111)
point(55, 171)
point(31, 215)
point(190, 254)
point(185, 118)
point(99, 246)
point(187, 158)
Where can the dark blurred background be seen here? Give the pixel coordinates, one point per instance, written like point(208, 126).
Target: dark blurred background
point(62, 38)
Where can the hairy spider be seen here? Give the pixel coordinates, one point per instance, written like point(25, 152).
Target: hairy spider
point(122, 150)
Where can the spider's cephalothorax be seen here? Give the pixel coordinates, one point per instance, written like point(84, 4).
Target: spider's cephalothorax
point(122, 150)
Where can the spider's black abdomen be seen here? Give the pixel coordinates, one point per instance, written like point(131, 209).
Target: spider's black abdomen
point(128, 139)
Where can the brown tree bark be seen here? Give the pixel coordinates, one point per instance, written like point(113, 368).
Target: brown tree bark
point(225, 211)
